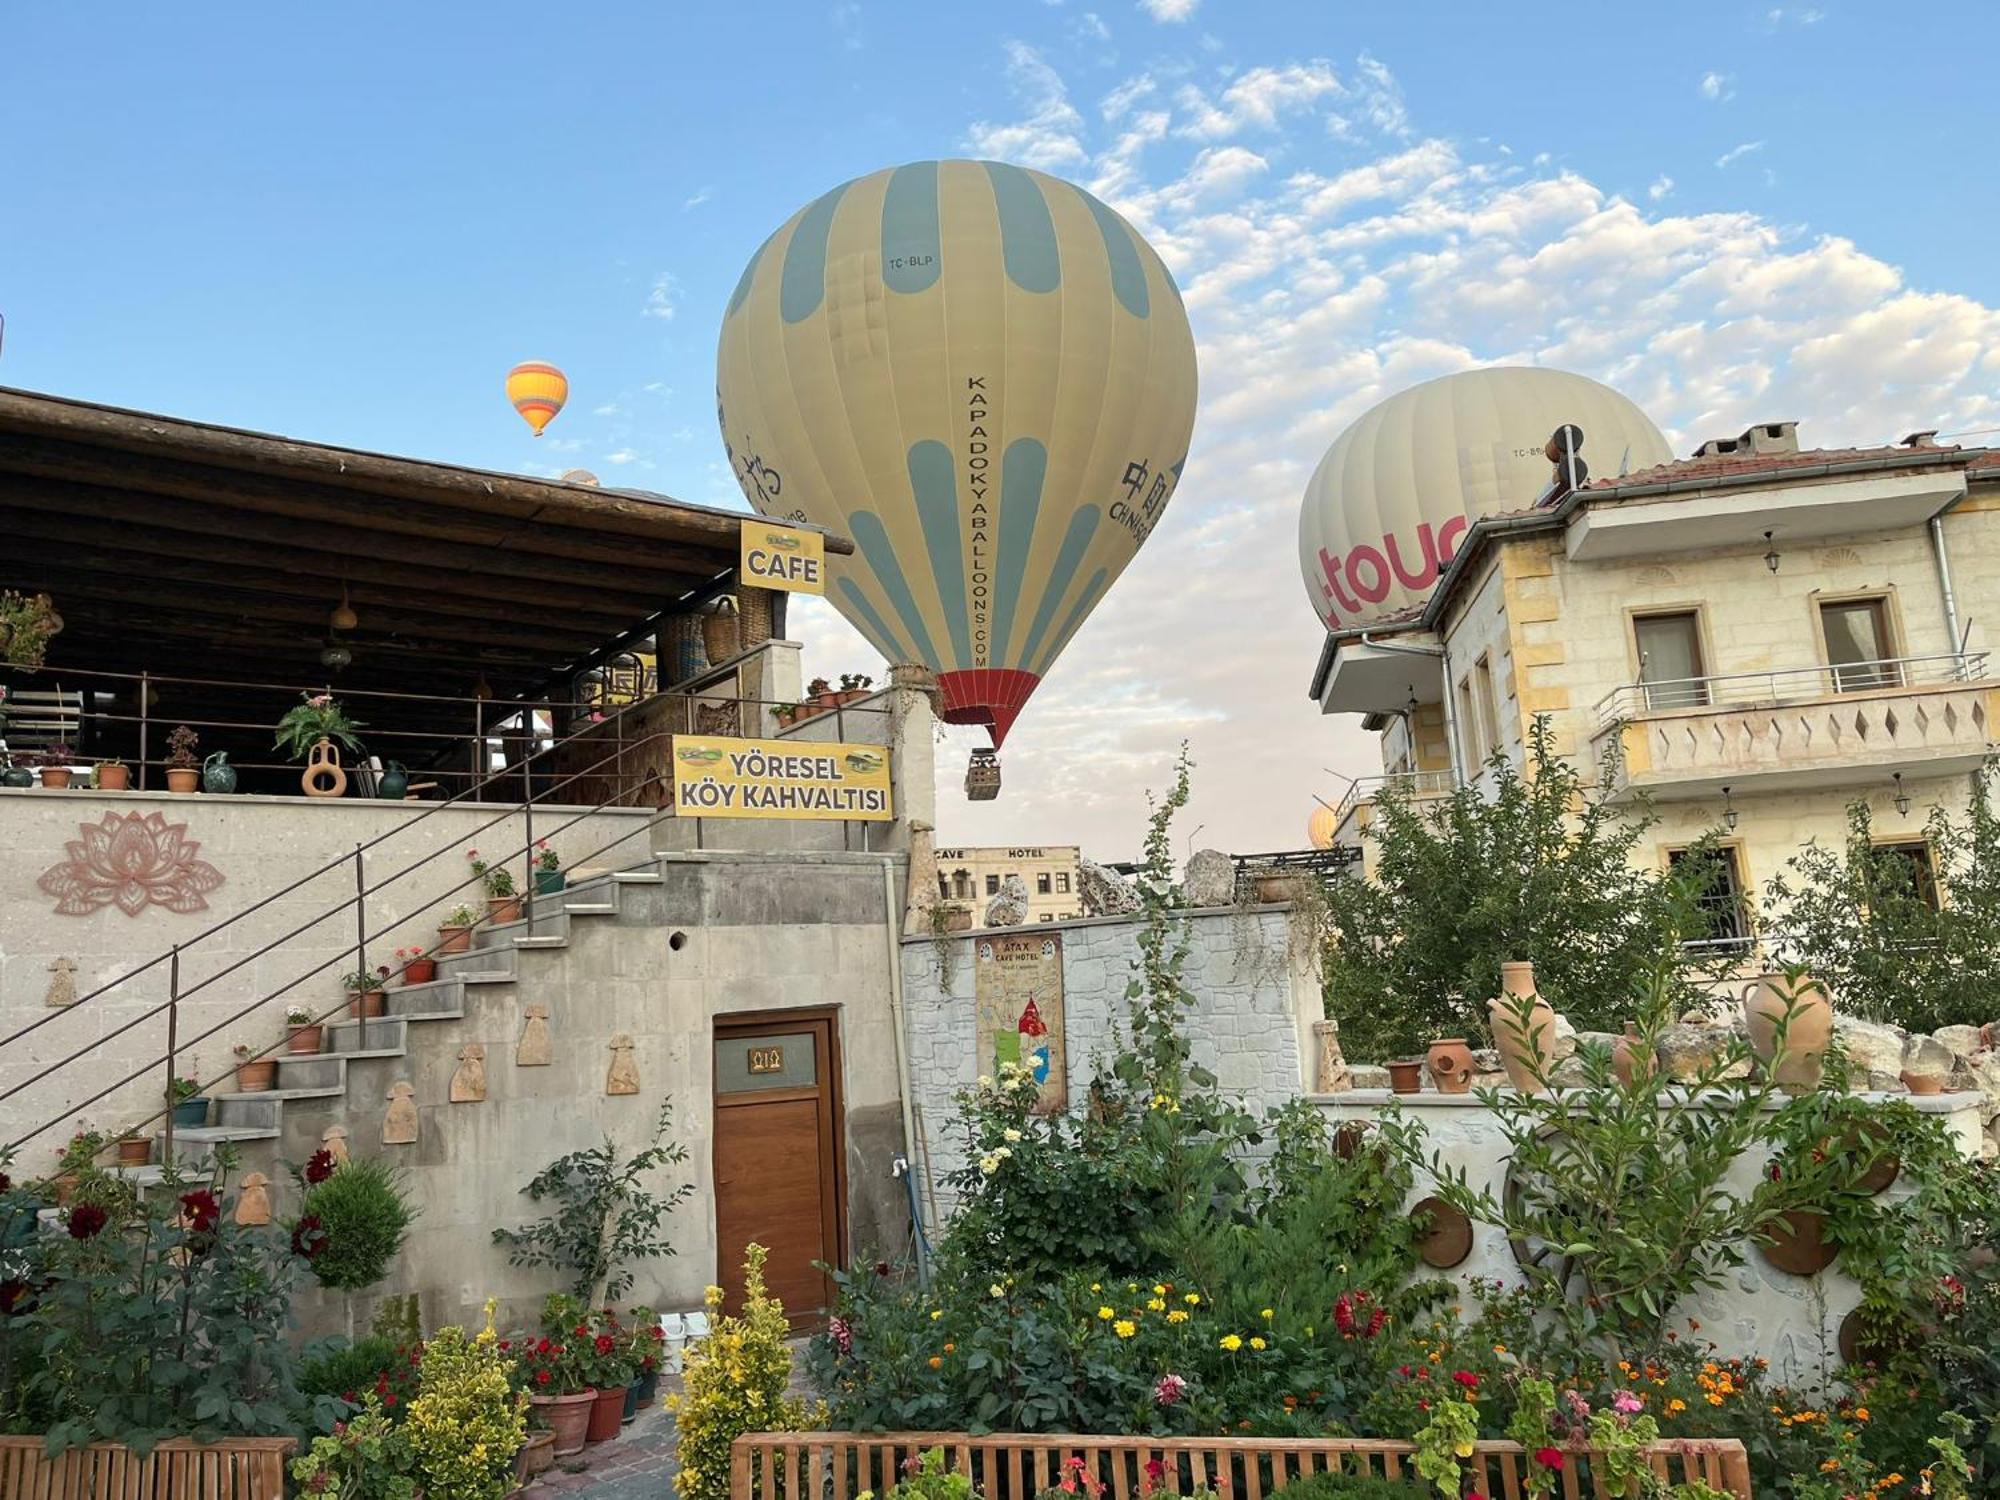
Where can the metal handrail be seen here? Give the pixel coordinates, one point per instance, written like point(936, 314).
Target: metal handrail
point(1365, 788)
point(172, 956)
point(1782, 685)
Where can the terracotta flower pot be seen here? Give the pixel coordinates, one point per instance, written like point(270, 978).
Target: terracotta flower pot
point(1626, 1054)
point(503, 908)
point(607, 1415)
point(55, 778)
point(568, 1418)
point(257, 1077)
point(135, 1151)
point(114, 778)
point(1450, 1063)
point(183, 779)
point(537, 1455)
point(304, 1039)
point(1406, 1075)
point(1767, 1003)
point(1524, 1028)
point(454, 940)
point(368, 1005)
point(1923, 1083)
point(420, 971)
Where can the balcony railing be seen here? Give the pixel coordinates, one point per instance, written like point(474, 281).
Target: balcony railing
point(1787, 685)
point(1411, 783)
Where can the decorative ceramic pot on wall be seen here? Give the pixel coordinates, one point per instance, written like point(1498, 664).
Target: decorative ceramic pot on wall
point(453, 939)
point(56, 778)
point(503, 908)
point(1406, 1075)
point(218, 775)
point(1923, 1083)
point(1450, 1063)
point(1804, 1011)
point(1524, 1028)
point(1626, 1054)
point(395, 783)
point(183, 779)
point(17, 776)
point(323, 776)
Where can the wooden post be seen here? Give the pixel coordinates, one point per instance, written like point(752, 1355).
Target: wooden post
point(173, 1042)
point(144, 724)
point(361, 951)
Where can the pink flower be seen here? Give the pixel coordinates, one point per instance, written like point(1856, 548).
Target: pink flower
point(1625, 1403)
point(842, 1335)
point(1169, 1390)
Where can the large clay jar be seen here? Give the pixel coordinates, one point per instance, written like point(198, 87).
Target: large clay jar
point(323, 776)
point(1450, 1064)
point(1626, 1053)
point(1526, 1037)
point(1767, 1001)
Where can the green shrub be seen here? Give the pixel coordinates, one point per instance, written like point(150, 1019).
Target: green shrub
point(467, 1422)
point(363, 1215)
point(347, 1371)
point(1330, 1486)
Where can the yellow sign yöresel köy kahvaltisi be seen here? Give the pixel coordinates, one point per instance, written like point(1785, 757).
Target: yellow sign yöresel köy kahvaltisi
point(716, 777)
point(783, 557)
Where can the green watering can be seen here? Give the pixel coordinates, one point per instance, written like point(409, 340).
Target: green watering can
point(217, 774)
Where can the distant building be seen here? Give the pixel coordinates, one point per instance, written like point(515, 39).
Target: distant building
point(972, 877)
point(1752, 637)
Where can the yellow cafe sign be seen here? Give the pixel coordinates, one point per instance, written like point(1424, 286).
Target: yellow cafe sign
point(783, 557)
point(715, 777)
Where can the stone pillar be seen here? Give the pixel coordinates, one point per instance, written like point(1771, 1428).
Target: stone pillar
point(913, 754)
point(920, 894)
point(1330, 1074)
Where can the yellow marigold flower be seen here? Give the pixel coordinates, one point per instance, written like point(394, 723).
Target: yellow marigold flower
point(936, 1363)
point(1267, 1314)
point(1676, 1405)
point(1860, 1413)
point(1231, 1342)
point(936, 1313)
point(1256, 1343)
point(1499, 1348)
point(1095, 1287)
point(1177, 1316)
point(1106, 1314)
point(997, 1290)
point(1124, 1328)
point(1156, 1304)
point(1159, 1289)
point(1192, 1299)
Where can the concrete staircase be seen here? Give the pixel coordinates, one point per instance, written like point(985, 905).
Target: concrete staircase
point(315, 1089)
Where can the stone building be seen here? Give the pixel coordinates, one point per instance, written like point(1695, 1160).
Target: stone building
point(1050, 872)
point(1753, 637)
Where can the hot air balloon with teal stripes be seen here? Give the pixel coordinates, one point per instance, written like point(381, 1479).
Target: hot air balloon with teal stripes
point(986, 378)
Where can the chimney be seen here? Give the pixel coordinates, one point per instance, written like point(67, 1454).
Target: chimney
point(1765, 437)
point(1925, 439)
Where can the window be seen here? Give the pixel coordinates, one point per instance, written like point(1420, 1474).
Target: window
point(961, 884)
point(1670, 664)
point(1857, 645)
point(1062, 881)
point(1469, 745)
point(1489, 714)
point(1725, 920)
point(992, 885)
point(1043, 885)
point(1922, 872)
point(944, 887)
point(1046, 919)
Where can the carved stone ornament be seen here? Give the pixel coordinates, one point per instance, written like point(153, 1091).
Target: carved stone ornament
point(62, 988)
point(334, 1139)
point(624, 1075)
point(253, 1204)
point(130, 861)
point(468, 1083)
point(399, 1125)
point(535, 1049)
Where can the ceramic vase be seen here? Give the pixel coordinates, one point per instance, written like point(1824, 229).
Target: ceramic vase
point(1450, 1063)
point(1804, 1012)
point(1625, 1054)
point(1524, 1028)
point(217, 774)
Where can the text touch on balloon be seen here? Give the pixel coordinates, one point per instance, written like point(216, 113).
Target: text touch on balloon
point(1364, 575)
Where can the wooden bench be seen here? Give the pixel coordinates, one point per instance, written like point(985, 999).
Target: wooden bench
point(248, 1468)
point(1015, 1466)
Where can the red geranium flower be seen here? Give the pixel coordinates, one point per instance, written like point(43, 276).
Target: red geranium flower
point(1466, 1378)
point(606, 1343)
point(86, 1220)
point(542, 1377)
point(1549, 1458)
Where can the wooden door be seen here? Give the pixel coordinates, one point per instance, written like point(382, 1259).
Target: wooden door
point(778, 1158)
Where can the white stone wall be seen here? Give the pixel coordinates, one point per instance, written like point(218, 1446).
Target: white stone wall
point(1257, 997)
point(1793, 1321)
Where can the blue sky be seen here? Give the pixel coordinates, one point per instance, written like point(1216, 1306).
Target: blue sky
point(345, 224)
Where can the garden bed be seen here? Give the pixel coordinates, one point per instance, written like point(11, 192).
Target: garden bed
point(769, 1465)
point(249, 1468)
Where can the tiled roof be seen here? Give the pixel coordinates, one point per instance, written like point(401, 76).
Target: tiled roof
point(1727, 465)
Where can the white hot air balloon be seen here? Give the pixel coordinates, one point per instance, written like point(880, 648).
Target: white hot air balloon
point(1387, 505)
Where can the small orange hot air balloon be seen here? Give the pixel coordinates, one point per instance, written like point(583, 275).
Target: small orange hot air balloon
point(538, 391)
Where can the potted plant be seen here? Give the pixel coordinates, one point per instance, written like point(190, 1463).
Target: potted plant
point(646, 1344)
point(787, 714)
point(55, 766)
point(455, 931)
point(134, 1149)
point(314, 730)
point(606, 1356)
point(302, 1032)
point(254, 1075)
point(111, 775)
point(503, 901)
point(820, 693)
point(370, 998)
point(76, 1161)
point(418, 966)
point(188, 1103)
point(550, 1370)
point(549, 876)
point(27, 623)
point(183, 765)
point(853, 685)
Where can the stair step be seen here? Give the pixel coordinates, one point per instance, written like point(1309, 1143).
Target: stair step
point(217, 1135)
point(541, 942)
point(292, 1093)
point(637, 877)
point(591, 908)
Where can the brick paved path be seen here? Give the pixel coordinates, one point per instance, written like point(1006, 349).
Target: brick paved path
point(638, 1464)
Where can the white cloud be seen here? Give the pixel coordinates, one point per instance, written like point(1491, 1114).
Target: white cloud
point(1661, 186)
point(1716, 86)
point(608, 409)
point(623, 456)
point(1795, 16)
point(1048, 135)
point(1736, 153)
point(663, 299)
point(698, 197)
point(1169, 10)
point(1323, 273)
point(1091, 25)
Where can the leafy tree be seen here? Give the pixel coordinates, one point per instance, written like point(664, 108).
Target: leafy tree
point(1867, 920)
point(606, 1216)
point(1536, 866)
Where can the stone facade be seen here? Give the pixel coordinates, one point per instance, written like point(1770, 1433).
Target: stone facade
point(1257, 999)
point(1050, 876)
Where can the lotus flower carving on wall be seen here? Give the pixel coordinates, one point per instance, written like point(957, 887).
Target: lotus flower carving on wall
point(131, 861)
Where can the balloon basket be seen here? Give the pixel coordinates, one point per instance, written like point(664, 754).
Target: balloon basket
point(982, 776)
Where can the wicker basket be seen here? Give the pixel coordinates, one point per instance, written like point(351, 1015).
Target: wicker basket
point(755, 609)
point(681, 652)
point(721, 631)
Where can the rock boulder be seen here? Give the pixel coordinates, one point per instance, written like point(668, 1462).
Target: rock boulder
point(1210, 879)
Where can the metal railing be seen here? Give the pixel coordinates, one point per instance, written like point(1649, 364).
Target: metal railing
point(1783, 685)
point(1411, 783)
point(623, 746)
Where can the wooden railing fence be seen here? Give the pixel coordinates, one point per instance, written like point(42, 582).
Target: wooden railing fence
point(236, 1469)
